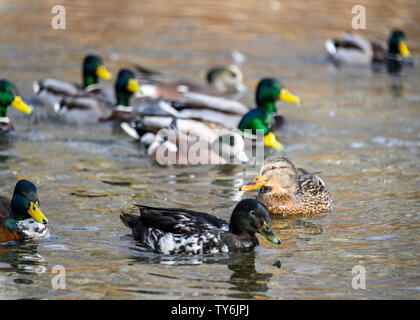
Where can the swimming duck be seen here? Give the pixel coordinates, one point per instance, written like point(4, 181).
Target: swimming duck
point(286, 192)
point(269, 90)
point(96, 108)
point(186, 232)
point(353, 50)
point(51, 91)
point(172, 146)
point(10, 97)
point(21, 218)
point(220, 80)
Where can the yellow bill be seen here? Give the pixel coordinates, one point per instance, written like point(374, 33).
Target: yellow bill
point(20, 105)
point(270, 140)
point(103, 73)
point(36, 213)
point(133, 86)
point(254, 184)
point(285, 95)
point(268, 233)
point(402, 48)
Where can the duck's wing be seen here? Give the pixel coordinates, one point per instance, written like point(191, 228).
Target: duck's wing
point(311, 184)
point(57, 87)
point(350, 50)
point(181, 221)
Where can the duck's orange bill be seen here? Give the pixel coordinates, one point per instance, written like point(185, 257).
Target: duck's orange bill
point(254, 184)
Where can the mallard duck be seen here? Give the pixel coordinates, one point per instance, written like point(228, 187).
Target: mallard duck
point(49, 92)
point(353, 50)
point(171, 146)
point(286, 192)
point(220, 80)
point(93, 108)
point(187, 232)
point(21, 218)
point(10, 97)
point(262, 118)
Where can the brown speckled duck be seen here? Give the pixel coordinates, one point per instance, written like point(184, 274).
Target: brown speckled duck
point(287, 193)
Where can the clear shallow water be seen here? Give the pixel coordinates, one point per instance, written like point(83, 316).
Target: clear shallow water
point(360, 128)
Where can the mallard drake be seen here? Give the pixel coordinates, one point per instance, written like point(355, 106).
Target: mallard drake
point(171, 146)
point(9, 96)
point(21, 218)
point(286, 192)
point(353, 50)
point(96, 108)
point(49, 92)
point(262, 118)
point(181, 231)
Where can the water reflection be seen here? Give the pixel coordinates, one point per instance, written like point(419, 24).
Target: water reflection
point(23, 259)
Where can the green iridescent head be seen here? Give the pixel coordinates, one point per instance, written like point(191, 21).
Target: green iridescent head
point(269, 90)
point(125, 86)
point(93, 69)
point(9, 96)
point(25, 202)
point(397, 45)
point(249, 217)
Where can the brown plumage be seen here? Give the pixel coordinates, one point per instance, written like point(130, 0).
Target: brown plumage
point(286, 192)
point(5, 212)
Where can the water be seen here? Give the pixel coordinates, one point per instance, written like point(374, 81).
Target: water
point(360, 128)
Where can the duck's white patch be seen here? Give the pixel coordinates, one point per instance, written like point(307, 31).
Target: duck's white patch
point(4, 120)
point(129, 130)
point(33, 230)
point(124, 108)
point(148, 90)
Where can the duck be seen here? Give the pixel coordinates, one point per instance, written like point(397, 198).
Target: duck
point(50, 91)
point(264, 117)
point(96, 108)
point(172, 146)
point(288, 191)
point(174, 231)
point(354, 50)
point(9, 96)
point(21, 217)
point(221, 80)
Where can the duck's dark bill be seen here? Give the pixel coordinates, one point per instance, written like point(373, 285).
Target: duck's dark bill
point(266, 231)
point(36, 213)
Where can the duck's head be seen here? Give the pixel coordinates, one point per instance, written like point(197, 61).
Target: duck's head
point(125, 86)
point(25, 202)
point(226, 78)
point(93, 70)
point(269, 90)
point(249, 217)
point(9, 96)
point(229, 146)
point(278, 175)
point(397, 45)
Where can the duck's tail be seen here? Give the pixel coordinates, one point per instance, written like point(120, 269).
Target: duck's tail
point(129, 220)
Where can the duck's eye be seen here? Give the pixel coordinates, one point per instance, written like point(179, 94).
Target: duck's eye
point(273, 168)
point(165, 138)
point(264, 189)
point(252, 213)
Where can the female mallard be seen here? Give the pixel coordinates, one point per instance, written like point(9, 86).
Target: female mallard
point(220, 80)
point(285, 192)
point(92, 108)
point(9, 97)
point(353, 50)
point(172, 146)
point(21, 218)
point(181, 231)
point(262, 118)
point(49, 92)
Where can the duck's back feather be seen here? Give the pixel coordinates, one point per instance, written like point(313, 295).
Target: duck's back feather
point(5, 212)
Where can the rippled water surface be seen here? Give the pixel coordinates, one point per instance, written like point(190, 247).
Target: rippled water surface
point(360, 128)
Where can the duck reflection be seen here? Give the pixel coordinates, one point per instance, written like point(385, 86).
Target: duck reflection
point(23, 258)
